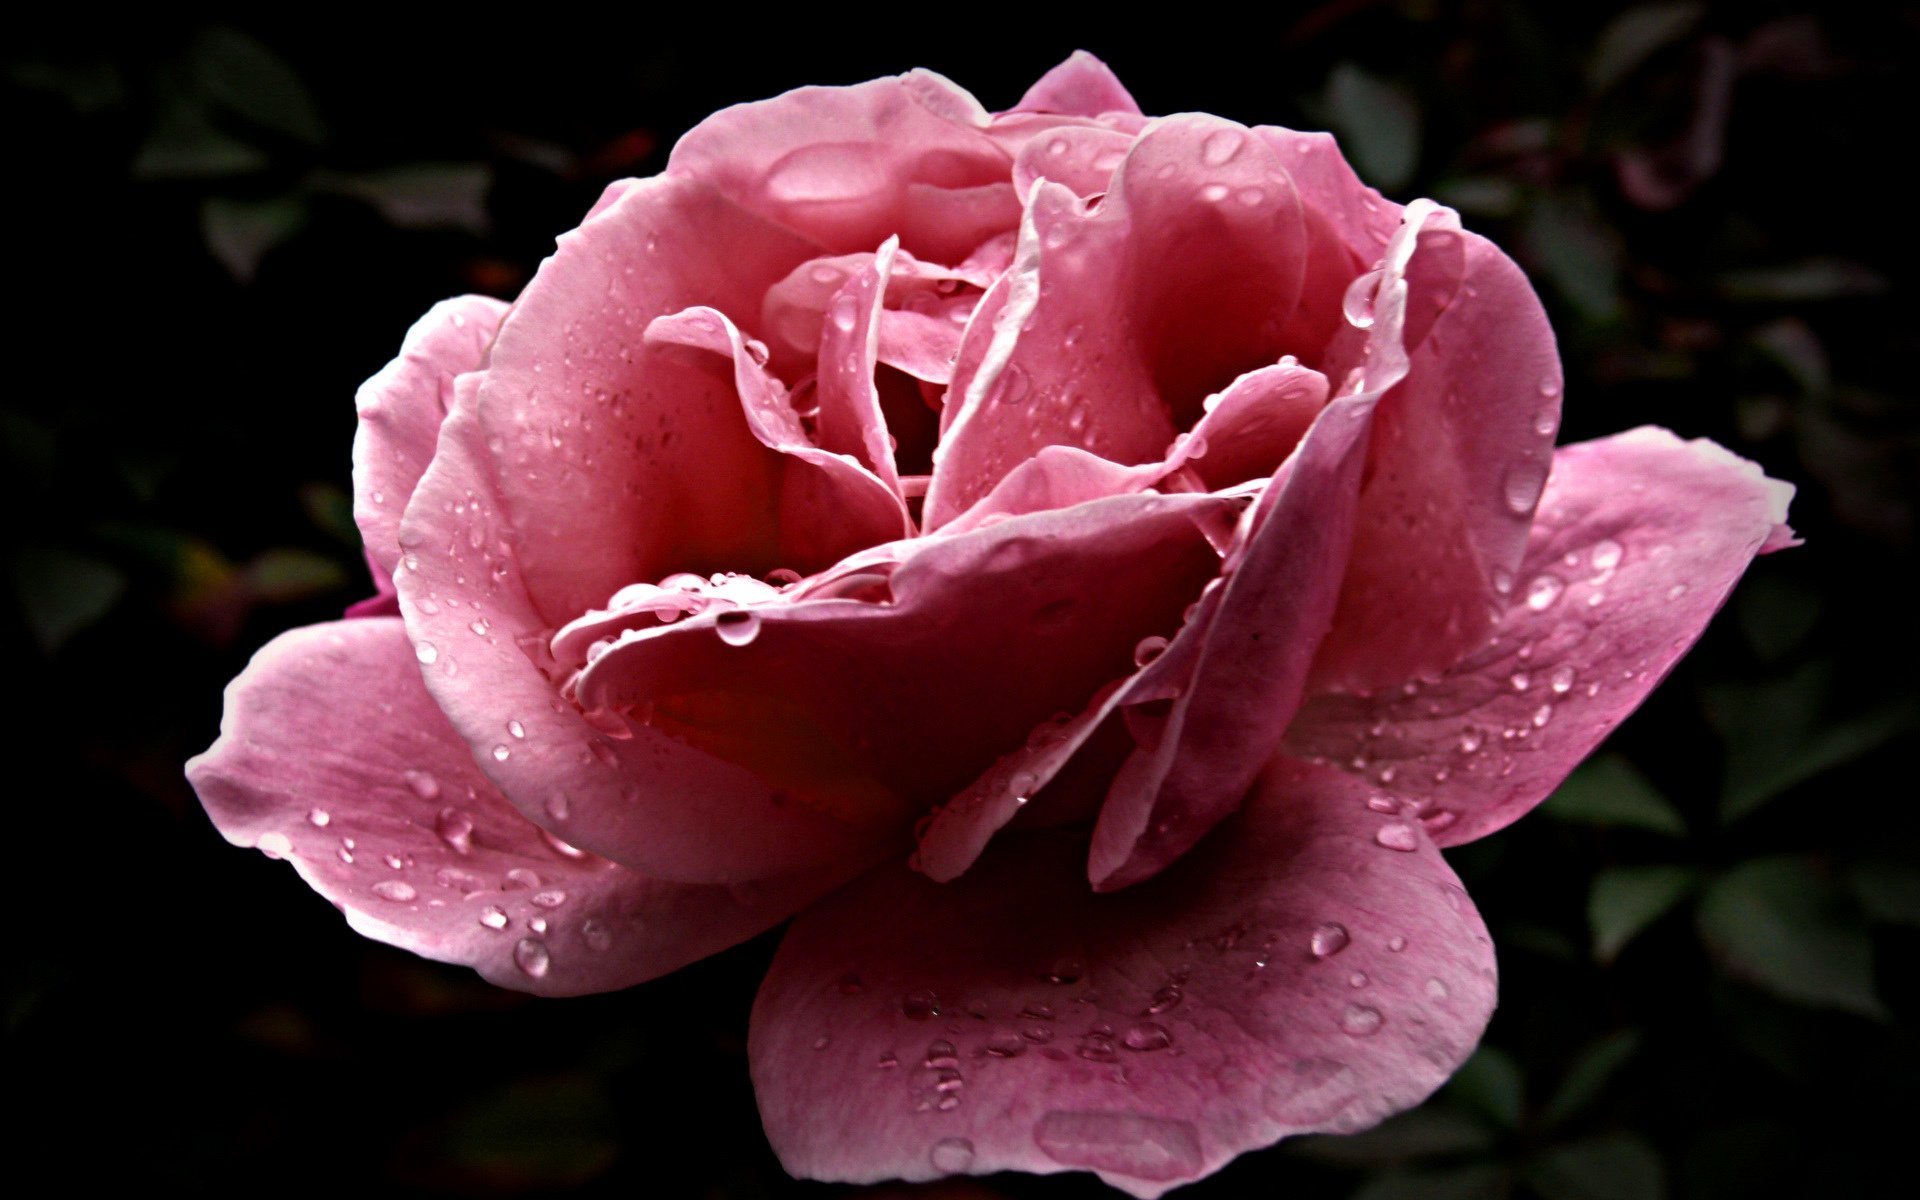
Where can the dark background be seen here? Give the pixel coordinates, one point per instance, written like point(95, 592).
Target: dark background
point(220, 227)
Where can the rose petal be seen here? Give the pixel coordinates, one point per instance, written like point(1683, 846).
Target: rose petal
point(332, 755)
point(616, 461)
point(1082, 86)
point(401, 409)
point(967, 651)
point(1056, 477)
point(643, 800)
point(1083, 158)
point(850, 421)
point(1248, 429)
point(850, 166)
point(1293, 974)
point(1637, 543)
point(1117, 321)
point(1460, 450)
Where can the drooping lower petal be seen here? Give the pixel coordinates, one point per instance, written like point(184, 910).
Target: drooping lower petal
point(1638, 541)
point(333, 756)
point(401, 409)
point(1314, 966)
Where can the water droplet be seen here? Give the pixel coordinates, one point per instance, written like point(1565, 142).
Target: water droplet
point(558, 806)
point(1038, 1011)
point(1220, 147)
point(844, 314)
point(1543, 591)
point(1562, 681)
point(1519, 680)
point(551, 898)
point(1357, 980)
point(1166, 998)
point(1545, 422)
point(1542, 715)
point(1607, 554)
point(531, 956)
point(1522, 486)
point(426, 652)
point(1396, 943)
point(516, 729)
point(737, 627)
point(274, 845)
point(1006, 1045)
point(455, 829)
point(1549, 385)
point(887, 1061)
point(1148, 649)
point(1676, 591)
point(1098, 1047)
point(494, 917)
point(919, 1006)
point(480, 627)
point(941, 1055)
point(1147, 1037)
point(319, 818)
point(1133, 1144)
point(1360, 1020)
point(1398, 836)
point(501, 753)
point(1329, 940)
point(1066, 970)
point(596, 934)
point(1436, 990)
point(1013, 385)
point(397, 890)
point(1470, 741)
point(520, 879)
point(951, 1155)
point(822, 1042)
point(1502, 581)
point(1357, 304)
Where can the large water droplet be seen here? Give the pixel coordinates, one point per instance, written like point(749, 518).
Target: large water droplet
point(1357, 304)
point(1607, 554)
point(1329, 940)
point(551, 898)
point(426, 652)
point(1148, 649)
point(455, 829)
point(502, 753)
point(737, 627)
point(397, 890)
point(319, 818)
point(1398, 836)
point(1166, 998)
point(920, 1006)
point(532, 957)
point(1147, 1036)
point(1361, 1020)
point(494, 917)
point(1066, 970)
point(596, 934)
point(1522, 486)
point(951, 1155)
point(1562, 681)
point(1149, 1148)
point(1220, 147)
point(1543, 591)
point(421, 784)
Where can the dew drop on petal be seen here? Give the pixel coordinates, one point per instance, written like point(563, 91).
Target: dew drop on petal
point(397, 890)
point(1398, 836)
point(421, 784)
point(951, 1155)
point(1543, 591)
point(1329, 940)
point(737, 627)
point(494, 917)
point(1360, 1020)
point(1146, 1037)
point(532, 957)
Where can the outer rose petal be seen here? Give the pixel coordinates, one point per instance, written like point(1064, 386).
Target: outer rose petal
point(643, 800)
point(604, 451)
point(1208, 1012)
point(1082, 86)
point(850, 166)
point(401, 409)
point(1637, 543)
point(1461, 449)
point(333, 755)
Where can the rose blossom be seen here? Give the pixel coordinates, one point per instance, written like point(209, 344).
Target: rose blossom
point(1079, 567)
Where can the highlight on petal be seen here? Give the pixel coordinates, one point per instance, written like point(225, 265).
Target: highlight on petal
point(1314, 966)
point(401, 409)
point(1639, 539)
point(333, 756)
point(1082, 86)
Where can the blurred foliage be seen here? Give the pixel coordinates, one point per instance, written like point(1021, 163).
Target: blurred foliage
point(1708, 937)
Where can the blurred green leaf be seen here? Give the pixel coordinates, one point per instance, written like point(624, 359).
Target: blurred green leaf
point(1588, 1075)
point(1608, 791)
point(1378, 123)
point(1580, 254)
point(1809, 279)
point(62, 592)
point(1473, 1182)
point(185, 144)
point(1777, 738)
point(1793, 345)
point(287, 575)
point(1888, 891)
point(1490, 1084)
point(1625, 900)
point(1615, 1166)
point(1480, 195)
point(420, 195)
point(330, 508)
point(88, 87)
point(1433, 1131)
point(1635, 36)
point(536, 1134)
point(1775, 613)
point(249, 79)
point(1780, 923)
point(241, 232)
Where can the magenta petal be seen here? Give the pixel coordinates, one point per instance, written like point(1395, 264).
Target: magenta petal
point(1080, 157)
point(1056, 477)
point(643, 800)
point(963, 654)
point(1460, 450)
point(1117, 320)
point(401, 409)
point(850, 421)
point(850, 166)
point(333, 756)
point(1248, 429)
point(1638, 541)
point(1314, 966)
point(1082, 86)
point(1242, 660)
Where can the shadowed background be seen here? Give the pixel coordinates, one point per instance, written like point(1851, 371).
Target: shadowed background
point(1708, 937)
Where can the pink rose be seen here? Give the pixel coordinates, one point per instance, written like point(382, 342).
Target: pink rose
point(1081, 568)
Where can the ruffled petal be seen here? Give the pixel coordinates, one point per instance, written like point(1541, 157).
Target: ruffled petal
point(333, 756)
point(401, 409)
point(1312, 967)
point(1638, 542)
point(1082, 86)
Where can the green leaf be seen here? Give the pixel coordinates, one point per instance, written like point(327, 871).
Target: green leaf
point(1775, 613)
point(1588, 1075)
point(1430, 1132)
point(421, 195)
point(62, 592)
point(1803, 281)
point(535, 1135)
point(1378, 124)
point(330, 508)
point(1477, 1181)
point(241, 232)
point(1579, 253)
point(186, 145)
point(1888, 891)
point(1625, 900)
point(1608, 791)
point(287, 575)
point(1635, 36)
point(1777, 736)
point(1615, 1166)
point(1781, 924)
point(248, 79)
point(1490, 1084)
